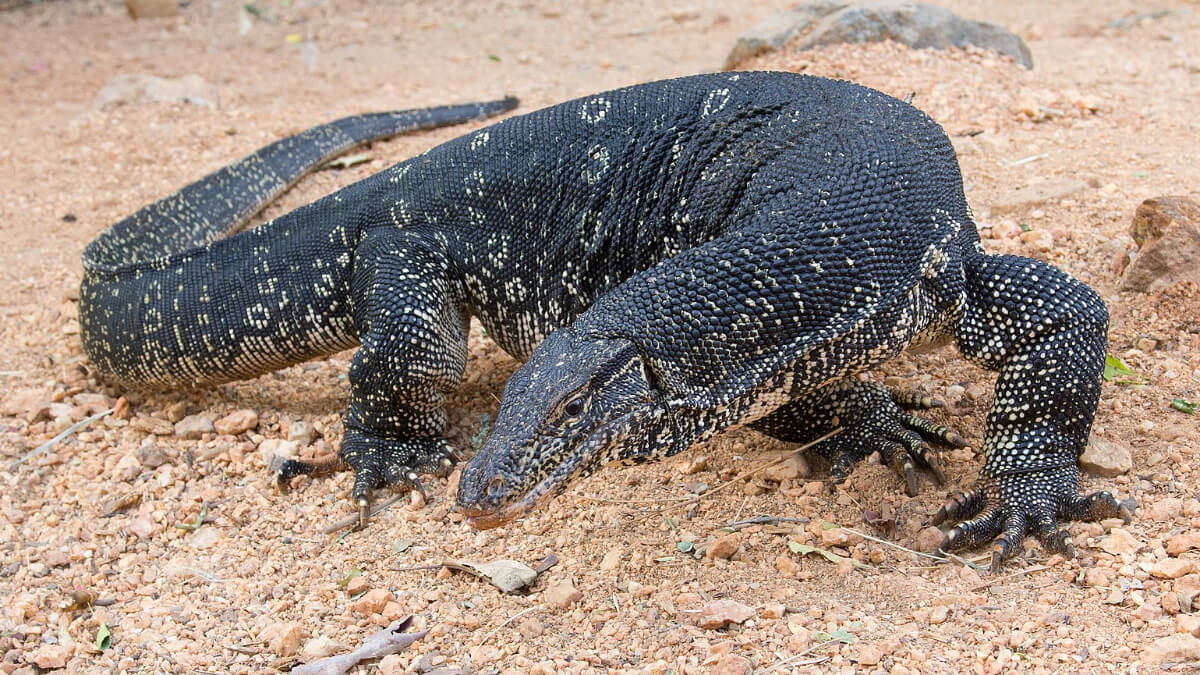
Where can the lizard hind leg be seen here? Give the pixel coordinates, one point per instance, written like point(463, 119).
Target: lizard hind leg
point(872, 420)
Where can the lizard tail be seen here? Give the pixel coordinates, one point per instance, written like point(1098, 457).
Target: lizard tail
point(224, 200)
point(168, 298)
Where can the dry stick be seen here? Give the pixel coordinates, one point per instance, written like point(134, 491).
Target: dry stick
point(511, 619)
point(67, 432)
point(788, 661)
point(993, 582)
point(743, 477)
point(243, 650)
point(1031, 158)
point(416, 568)
point(602, 500)
point(351, 520)
point(938, 558)
point(763, 520)
point(738, 514)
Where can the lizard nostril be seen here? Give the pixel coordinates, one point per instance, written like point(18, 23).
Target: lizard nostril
point(495, 487)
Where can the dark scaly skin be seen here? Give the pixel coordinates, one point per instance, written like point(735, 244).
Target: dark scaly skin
point(166, 301)
point(522, 224)
point(849, 242)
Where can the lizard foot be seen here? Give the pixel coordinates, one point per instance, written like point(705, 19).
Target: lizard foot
point(378, 462)
point(875, 419)
point(1004, 510)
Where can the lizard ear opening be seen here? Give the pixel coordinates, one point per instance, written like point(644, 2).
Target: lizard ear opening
point(648, 372)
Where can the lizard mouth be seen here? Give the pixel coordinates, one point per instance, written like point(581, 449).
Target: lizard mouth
point(588, 455)
point(482, 519)
point(486, 519)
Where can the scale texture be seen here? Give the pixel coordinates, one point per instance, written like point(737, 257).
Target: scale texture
point(827, 231)
point(734, 246)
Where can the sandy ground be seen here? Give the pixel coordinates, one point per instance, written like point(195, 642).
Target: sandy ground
point(259, 584)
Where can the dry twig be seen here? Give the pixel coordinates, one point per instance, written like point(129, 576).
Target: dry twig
point(742, 477)
point(511, 619)
point(66, 432)
point(1018, 573)
point(353, 520)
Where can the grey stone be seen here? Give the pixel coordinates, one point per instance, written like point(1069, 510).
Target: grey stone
point(302, 432)
point(777, 30)
point(917, 25)
point(1167, 231)
point(1105, 458)
point(194, 427)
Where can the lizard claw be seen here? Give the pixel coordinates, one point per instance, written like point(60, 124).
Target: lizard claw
point(377, 463)
point(1006, 509)
point(874, 421)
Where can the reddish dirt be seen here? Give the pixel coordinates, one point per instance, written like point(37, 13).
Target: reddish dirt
point(257, 585)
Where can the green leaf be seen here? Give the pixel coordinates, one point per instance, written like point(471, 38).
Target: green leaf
point(805, 549)
point(401, 545)
point(685, 546)
point(103, 637)
point(1183, 406)
point(826, 525)
point(840, 634)
point(493, 57)
point(1114, 367)
point(1117, 372)
point(199, 519)
point(665, 558)
point(350, 575)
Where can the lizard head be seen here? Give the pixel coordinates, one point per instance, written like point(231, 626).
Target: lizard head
point(577, 404)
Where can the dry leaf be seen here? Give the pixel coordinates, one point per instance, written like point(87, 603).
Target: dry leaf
point(387, 641)
point(507, 575)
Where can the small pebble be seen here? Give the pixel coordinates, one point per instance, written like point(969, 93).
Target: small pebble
point(283, 639)
point(372, 602)
point(236, 422)
point(356, 585)
point(723, 547)
point(562, 594)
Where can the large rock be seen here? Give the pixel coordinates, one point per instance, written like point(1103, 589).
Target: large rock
point(152, 9)
point(917, 25)
point(1167, 232)
point(1105, 458)
point(1178, 648)
point(772, 33)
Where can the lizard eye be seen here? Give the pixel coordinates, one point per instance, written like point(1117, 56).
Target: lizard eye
point(495, 487)
point(574, 406)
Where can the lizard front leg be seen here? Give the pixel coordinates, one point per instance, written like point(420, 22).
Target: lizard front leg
point(412, 358)
point(1047, 334)
point(873, 418)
